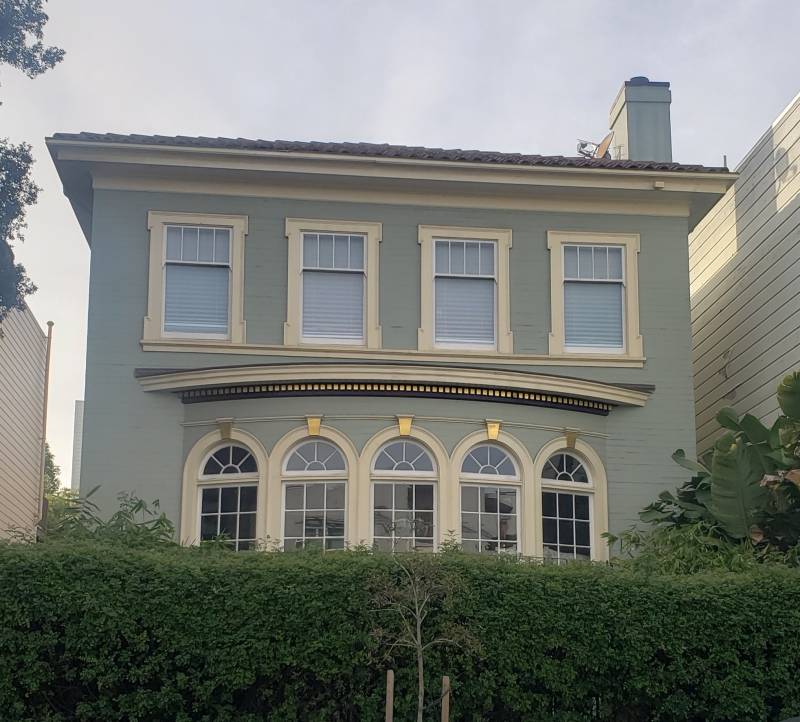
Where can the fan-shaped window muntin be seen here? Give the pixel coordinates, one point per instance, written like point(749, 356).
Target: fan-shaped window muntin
point(316, 457)
point(489, 460)
point(229, 460)
point(565, 468)
point(403, 457)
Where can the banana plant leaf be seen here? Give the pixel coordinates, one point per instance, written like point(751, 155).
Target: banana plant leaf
point(789, 395)
point(737, 497)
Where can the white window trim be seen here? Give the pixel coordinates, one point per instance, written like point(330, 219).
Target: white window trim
point(428, 235)
point(243, 480)
point(153, 327)
point(293, 327)
point(632, 339)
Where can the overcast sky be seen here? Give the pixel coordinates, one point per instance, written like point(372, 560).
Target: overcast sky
point(527, 76)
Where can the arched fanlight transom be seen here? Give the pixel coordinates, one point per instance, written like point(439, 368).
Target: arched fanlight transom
point(230, 459)
point(565, 467)
point(489, 460)
point(399, 456)
point(315, 456)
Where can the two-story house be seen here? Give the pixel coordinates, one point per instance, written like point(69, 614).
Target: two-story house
point(331, 343)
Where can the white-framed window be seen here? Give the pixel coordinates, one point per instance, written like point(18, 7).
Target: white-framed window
point(404, 482)
point(332, 283)
point(465, 301)
point(490, 508)
point(594, 295)
point(196, 281)
point(465, 292)
point(314, 496)
point(567, 508)
point(228, 496)
point(594, 298)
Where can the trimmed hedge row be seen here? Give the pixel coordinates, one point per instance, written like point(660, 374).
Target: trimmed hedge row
point(108, 634)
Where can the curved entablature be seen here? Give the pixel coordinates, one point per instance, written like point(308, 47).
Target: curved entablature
point(405, 380)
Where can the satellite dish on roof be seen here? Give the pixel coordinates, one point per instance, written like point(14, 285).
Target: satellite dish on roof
point(596, 150)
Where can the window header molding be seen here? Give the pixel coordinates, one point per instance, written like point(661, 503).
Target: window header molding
point(556, 240)
point(295, 227)
point(156, 224)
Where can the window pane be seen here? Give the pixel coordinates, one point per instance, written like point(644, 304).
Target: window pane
point(206, 247)
point(488, 499)
point(465, 310)
point(565, 505)
point(456, 257)
point(230, 499)
point(341, 251)
point(210, 501)
point(222, 245)
point(488, 526)
point(593, 315)
point(310, 250)
point(423, 496)
point(582, 533)
point(403, 496)
point(487, 259)
point(227, 525)
point(208, 527)
point(247, 498)
point(325, 250)
point(314, 524)
point(548, 503)
point(585, 269)
point(247, 526)
point(508, 527)
point(383, 523)
point(469, 526)
point(293, 524)
point(334, 523)
point(423, 523)
point(173, 243)
point(472, 261)
point(357, 252)
point(508, 501)
point(600, 262)
point(469, 498)
point(196, 299)
point(615, 263)
point(442, 257)
point(294, 496)
point(334, 496)
point(570, 262)
point(315, 496)
point(470, 546)
point(581, 507)
point(565, 532)
point(383, 496)
point(333, 305)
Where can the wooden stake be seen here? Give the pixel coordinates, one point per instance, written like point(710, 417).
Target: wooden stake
point(445, 699)
point(389, 695)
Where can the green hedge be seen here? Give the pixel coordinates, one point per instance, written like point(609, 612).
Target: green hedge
point(107, 634)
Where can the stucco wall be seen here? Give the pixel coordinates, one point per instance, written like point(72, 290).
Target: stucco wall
point(135, 440)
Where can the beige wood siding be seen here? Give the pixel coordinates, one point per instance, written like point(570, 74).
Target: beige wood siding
point(22, 369)
point(744, 265)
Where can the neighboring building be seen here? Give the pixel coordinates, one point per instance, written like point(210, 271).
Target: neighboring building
point(332, 342)
point(77, 443)
point(745, 265)
point(23, 351)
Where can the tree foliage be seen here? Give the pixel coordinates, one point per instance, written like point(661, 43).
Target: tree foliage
point(741, 507)
point(52, 472)
point(21, 46)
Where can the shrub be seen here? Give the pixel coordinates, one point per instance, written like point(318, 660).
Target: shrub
point(103, 633)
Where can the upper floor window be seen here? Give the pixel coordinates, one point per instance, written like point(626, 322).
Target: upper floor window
point(196, 288)
point(594, 295)
point(332, 283)
point(465, 292)
point(333, 287)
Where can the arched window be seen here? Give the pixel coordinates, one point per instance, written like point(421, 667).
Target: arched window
point(567, 501)
point(489, 500)
point(404, 497)
point(229, 496)
point(314, 492)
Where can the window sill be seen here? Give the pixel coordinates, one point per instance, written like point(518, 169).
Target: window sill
point(360, 352)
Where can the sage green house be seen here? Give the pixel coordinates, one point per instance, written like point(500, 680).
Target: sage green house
point(308, 343)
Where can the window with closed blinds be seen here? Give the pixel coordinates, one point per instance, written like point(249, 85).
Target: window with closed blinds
point(594, 294)
point(333, 287)
point(197, 280)
point(465, 292)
